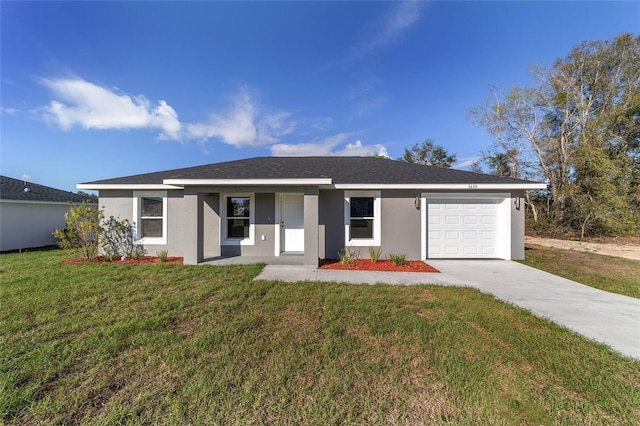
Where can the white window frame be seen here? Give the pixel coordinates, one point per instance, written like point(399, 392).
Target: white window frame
point(223, 222)
point(377, 219)
point(137, 216)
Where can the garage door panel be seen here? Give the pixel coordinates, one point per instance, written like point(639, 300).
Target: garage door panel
point(488, 235)
point(470, 220)
point(469, 235)
point(451, 220)
point(462, 229)
point(488, 219)
point(452, 235)
point(470, 250)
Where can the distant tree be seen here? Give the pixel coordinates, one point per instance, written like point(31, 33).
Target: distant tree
point(91, 197)
point(577, 128)
point(429, 154)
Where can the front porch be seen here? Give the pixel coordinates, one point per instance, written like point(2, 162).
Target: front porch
point(289, 259)
point(251, 224)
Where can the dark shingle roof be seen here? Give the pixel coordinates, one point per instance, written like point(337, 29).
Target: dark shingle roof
point(15, 189)
point(342, 170)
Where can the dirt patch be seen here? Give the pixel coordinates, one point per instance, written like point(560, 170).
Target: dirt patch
point(628, 250)
point(381, 265)
point(144, 260)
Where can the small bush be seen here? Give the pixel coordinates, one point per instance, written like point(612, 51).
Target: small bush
point(348, 255)
point(375, 253)
point(118, 239)
point(398, 259)
point(137, 252)
point(163, 255)
point(109, 257)
point(82, 231)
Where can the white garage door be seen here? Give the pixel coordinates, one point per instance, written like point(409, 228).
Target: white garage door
point(462, 228)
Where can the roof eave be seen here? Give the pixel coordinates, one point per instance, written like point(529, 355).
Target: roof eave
point(251, 182)
point(125, 186)
point(445, 186)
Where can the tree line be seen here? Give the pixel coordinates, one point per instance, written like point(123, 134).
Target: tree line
point(576, 128)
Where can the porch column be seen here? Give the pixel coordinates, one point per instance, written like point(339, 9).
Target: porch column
point(311, 227)
point(192, 237)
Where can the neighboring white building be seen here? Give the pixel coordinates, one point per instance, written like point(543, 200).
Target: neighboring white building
point(29, 213)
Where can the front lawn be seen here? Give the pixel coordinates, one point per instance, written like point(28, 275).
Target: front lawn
point(613, 274)
point(173, 344)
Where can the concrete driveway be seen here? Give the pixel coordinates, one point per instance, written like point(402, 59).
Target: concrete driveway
point(605, 317)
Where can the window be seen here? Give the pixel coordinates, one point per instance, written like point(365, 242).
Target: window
point(238, 211)
point(150, 213)
point(362, 218)
point(238, 219)
point(151, 217)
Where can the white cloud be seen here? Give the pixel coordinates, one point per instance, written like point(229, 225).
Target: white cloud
point(465, 162)
point(90, 106)
point(84, 104)
point(9, 111)
point(389, 29)
point(357, 149)
point(327, 147)
point(242, 125)
point(318, 148)
point(27, 178)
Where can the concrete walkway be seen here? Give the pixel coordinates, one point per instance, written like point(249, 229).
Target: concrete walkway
point(605, 317)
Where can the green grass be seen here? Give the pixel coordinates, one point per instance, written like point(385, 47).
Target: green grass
point(613, 274)
point(173, 344)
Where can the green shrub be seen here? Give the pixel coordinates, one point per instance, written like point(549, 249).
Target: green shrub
point(348, 255)
point(163, 255)
point(82, 232)
point(398, 259)
point(375, 253)
point(109, 257)
point(118, 239)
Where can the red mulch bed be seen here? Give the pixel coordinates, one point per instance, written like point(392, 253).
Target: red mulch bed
point(380, 265)
point(144, 260)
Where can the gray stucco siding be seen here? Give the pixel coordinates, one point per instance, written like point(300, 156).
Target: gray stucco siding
point(517, 225)
point(264, 226)
point(331, 223)
point(400, 224)
point(194, 221)
point(119, 204)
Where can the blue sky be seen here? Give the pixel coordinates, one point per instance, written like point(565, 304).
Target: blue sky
point(93, 90)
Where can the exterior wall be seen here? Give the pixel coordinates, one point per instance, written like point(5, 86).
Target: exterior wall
point(517, 225)
point(175, 228)
point(399, 231)
point(264, 223)
point(210, 229)
point(119, 204)
point(331, 223)
point(30, 225)
point(400, 224)
point(194, 222)
point(311, 251)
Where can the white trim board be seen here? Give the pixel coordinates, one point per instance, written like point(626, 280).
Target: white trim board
point(444, 186)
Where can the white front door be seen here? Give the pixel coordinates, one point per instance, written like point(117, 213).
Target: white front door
point(292, 222)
